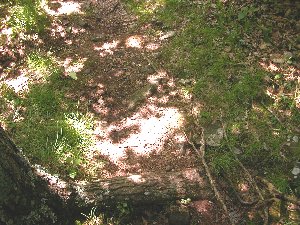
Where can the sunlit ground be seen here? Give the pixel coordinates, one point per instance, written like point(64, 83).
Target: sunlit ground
point(156, 125)
point(147, 129)
point(62, 7)
point(289, 75)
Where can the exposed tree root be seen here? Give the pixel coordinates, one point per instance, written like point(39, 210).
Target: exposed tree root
point(253, 182)
point(201, 154)
point(277, 194)
point(243, 202)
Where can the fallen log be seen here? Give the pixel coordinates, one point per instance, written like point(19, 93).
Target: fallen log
point(146, 188)
point(29, 195)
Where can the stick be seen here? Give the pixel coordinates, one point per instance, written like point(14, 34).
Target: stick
point(201, 154)
point(266, 211)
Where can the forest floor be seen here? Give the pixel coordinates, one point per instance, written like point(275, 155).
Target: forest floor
point(95, 97)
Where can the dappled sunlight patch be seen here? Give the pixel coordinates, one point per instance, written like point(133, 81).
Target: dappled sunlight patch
point(57, 30)
point(19, 84)
point(148, 7)
point(156, 78)
point(107, 48)
point(283, 85)
point(136, 178)
point(6, 34)
point(60, 30)
point(62, 7)
point(204, 207)
point(76, 30)
point(69, 42)
point(71, 65)
point(269, 66)
point(134, 42)
point(152, 46)
point(156, 125)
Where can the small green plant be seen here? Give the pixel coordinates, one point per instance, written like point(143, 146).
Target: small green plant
point(185, 201)
point(28, 16)
point(123, 209)
point(247, 11)
point(44, 65)
point(92, 218)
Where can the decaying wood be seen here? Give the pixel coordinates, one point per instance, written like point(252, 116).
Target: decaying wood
point(147, 188)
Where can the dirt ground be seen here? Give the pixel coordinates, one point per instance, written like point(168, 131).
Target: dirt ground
point(139, 110)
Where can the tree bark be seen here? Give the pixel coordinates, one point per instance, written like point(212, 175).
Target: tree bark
point(147, 188)
point(29, 195)
point(25, 199)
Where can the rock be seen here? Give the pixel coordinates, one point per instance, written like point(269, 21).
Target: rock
point(167, 35)
point(295, 139)
point(296, 171)
point(179, 217)
point(215, 139)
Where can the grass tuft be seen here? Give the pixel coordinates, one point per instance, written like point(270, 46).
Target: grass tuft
point(27, 16)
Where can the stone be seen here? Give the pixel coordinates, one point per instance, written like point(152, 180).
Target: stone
point(295, 139)
point(167, 35)
point(215, 138)
point(296, 171)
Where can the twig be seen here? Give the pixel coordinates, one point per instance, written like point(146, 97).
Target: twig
point(201, 154)
point(113, 8)
point(253, 182)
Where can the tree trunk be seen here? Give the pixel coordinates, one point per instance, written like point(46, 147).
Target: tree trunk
point(24, 197)
point(31, 196)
